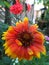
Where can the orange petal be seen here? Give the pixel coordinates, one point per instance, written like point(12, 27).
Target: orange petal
point(38, 37)
point(18, 23)
point(41, 48)
point(13, 48)
point(26, 55)
point(19, 53)
point(41, 34)
point(33, 28)
point(30, 52)
point(19, 27)
point(13, 56)
point(22, 52)
point(11, 30)
point(25, 20)
point(35, 51)
point(30, 58)
point(25, 23)
point(18, 42)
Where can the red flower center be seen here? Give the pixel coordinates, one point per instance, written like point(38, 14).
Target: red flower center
point(25, 38)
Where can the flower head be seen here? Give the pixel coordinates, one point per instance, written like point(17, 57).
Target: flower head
point(24, 41)
point(16, 8)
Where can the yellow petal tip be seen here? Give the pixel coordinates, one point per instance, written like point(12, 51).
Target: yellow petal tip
point(30, 52)
point(38, 55)
point(3, 38)
point(25, 19)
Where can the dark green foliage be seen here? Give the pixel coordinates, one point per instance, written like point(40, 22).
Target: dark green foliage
point(7, 16)
point(3, 59)
point(44, 60)
point(2, 3)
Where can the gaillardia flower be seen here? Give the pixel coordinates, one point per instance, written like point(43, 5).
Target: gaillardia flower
point(23, 41)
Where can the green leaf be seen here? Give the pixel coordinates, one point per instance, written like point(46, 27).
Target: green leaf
point(2, 3)
point(6, 60)
point(7, 4)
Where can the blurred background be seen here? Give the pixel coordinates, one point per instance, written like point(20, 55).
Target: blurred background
point(38, 13)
